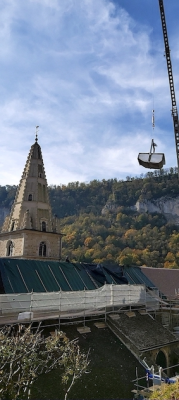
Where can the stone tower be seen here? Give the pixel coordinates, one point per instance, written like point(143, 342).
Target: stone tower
point(29, 231)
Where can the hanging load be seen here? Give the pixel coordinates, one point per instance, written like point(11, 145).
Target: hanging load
point(152, 160)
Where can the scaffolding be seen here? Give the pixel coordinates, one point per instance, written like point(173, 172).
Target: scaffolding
point(40, 306)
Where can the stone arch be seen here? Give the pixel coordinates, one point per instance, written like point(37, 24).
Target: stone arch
point(161, 359)
point(9, 248)
point(42, 249)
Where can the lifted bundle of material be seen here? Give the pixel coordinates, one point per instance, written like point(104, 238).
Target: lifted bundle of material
point(152, 160)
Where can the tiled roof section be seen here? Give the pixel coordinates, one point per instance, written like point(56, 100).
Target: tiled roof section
point(167, 280)
point(143, 331)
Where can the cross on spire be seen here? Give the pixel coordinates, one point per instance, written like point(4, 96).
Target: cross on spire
point(36, 138)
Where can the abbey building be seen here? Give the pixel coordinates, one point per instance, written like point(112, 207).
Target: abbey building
point(29, 231)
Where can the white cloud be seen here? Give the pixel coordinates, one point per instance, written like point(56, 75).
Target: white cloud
point(85, 75)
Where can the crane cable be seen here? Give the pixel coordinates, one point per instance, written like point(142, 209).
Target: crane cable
point(153, 144)
point(153, 109)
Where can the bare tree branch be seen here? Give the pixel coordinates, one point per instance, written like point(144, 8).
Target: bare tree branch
point(25, 355)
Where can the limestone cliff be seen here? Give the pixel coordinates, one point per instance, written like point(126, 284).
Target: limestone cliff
point(164, 205)
point(109, 206)
point(167, 206)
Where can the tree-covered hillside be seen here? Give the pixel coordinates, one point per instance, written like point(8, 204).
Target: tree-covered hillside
point(100, 225)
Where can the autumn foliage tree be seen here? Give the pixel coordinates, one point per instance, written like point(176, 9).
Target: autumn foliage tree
point(101, 224)
point(166, 392)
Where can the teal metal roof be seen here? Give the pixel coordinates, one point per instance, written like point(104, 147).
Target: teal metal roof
point(134, 275)
point(23, 276)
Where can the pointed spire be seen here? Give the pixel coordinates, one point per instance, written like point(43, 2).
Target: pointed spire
point(32, 206)
point(36, 138)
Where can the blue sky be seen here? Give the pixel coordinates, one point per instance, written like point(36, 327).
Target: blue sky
point(88, 72)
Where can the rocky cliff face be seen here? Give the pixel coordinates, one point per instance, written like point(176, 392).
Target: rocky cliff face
point(164, 205)
point(167, 206)
point(109, 206)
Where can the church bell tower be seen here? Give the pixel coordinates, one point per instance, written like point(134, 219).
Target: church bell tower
point(30, 231)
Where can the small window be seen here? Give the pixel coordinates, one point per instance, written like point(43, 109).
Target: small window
point(39, 153)
point(42, 249)
point(40, 171)
point(12, 226)
point(43, 226)
point(30, 197)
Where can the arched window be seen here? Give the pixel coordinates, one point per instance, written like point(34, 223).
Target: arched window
point(161, 359)
point(43, 226)
point(30, 197)
point(42, 249)
point(10, 247)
